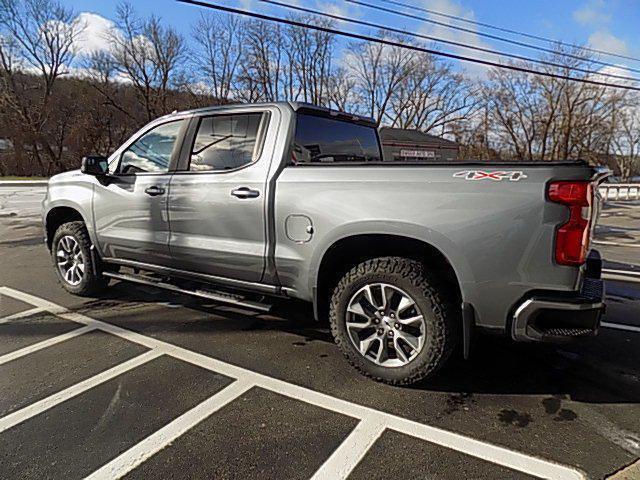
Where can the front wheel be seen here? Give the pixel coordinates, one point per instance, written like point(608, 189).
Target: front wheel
point(73, 262)
point(392, 321)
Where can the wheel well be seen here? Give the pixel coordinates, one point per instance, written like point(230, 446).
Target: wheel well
point(348, 252)
point(56, 217)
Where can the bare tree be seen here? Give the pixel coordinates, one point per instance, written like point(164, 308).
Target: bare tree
point(378, 70)
point(626, 139)
point(341, 89)
point(431, 98)
point(148, 55)
point(539, 118)
point(261, 75)
point(309, 61)
point(219, 40)
point(38, 38)
point(515, 108)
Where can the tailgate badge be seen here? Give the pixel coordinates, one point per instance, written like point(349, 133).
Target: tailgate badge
point(512, 176)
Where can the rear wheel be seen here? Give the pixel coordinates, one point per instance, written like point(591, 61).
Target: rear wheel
point(393, 321)
point(74, 264)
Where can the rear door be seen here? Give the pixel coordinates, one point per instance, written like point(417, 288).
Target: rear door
point(130, 208)
point(217, 202)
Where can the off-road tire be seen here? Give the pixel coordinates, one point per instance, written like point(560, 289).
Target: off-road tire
point(92, 281)
point(432, 297)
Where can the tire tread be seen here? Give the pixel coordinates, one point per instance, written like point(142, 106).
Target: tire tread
point(443, 309)
point(95, 281)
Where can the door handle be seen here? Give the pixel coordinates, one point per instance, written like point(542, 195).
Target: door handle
point(245, 192)
point(154, 190)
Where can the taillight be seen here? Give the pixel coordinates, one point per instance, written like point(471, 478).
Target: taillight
point(572, 237)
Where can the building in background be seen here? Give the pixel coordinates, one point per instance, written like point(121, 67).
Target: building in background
point(400, 145)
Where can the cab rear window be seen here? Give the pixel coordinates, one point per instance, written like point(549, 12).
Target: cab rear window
point(322, 140)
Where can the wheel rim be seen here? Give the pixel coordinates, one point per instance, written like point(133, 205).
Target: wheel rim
point(385, 325)
point(70, 260)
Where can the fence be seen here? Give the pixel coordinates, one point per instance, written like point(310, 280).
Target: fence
point(620, 191)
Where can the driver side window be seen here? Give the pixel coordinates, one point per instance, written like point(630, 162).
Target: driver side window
point(152, 151)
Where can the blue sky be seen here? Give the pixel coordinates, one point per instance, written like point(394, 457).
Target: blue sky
point(611, 25)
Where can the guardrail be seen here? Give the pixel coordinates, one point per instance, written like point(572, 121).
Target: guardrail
point(620, 191)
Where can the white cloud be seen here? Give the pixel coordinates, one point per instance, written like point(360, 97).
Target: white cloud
point(592, 13)
point(603, 40)
point(452, 7)
point(333, 8)
point(345, 10)
point(94, 36)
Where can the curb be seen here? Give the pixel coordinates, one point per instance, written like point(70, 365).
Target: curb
point(24, 183)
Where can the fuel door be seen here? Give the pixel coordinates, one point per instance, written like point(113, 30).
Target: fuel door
point(299, 228)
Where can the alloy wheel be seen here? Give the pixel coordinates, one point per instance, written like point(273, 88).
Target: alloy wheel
point(70, 260)
point(385, 325)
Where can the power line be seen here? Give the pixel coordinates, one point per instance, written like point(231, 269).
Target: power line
point(392, 43)
point(508, 30)
point(442, 40)
point(486, 35)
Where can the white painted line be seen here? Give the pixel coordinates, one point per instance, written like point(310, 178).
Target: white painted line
point(45, 343)
point(345, 458)
point(40, 406)
point(620, 326)
point(476, 448)
point(19, 315)
point(123, 464)
point(485, 451)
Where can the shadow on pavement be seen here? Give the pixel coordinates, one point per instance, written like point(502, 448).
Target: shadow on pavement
point(604, 369)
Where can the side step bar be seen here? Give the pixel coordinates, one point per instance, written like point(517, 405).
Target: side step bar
point(216, 296)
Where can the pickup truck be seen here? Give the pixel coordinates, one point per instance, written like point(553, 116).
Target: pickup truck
point(246, 203)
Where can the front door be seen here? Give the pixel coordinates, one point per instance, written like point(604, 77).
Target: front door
point(130, 207)
point(217, 203)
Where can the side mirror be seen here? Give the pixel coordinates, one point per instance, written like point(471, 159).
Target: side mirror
point(95, 165)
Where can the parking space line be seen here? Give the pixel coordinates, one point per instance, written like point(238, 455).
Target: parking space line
point(40, 406)
point(485, 451)
point(620, 326)
point(19, 315)
point(345, 458)
point(46, 343)
point(136, 455)
point(499, 455)
point(30, 312)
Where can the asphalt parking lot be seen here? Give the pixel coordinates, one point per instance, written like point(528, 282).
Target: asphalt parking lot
point(144, 384)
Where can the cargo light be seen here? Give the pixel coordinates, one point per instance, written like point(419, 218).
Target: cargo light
point(572, 237)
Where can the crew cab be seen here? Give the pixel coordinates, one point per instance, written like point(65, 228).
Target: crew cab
point(245, 203)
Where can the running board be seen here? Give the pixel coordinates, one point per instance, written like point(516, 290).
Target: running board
point(216, 296)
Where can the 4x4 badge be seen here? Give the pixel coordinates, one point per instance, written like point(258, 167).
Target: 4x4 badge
point(512, 176)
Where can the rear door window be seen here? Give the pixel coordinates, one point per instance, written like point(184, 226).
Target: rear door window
point(226, 142)
point(329, 140)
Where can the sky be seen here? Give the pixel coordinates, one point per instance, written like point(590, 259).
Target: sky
point(610, 25)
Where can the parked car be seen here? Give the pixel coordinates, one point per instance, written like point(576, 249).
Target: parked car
point(247, 202)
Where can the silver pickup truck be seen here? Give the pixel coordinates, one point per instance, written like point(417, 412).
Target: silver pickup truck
point(245, 203)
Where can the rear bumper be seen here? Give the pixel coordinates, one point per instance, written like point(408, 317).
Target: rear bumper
point(560, 318)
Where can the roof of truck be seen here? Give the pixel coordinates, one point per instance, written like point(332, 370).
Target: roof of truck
point(295, 106)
